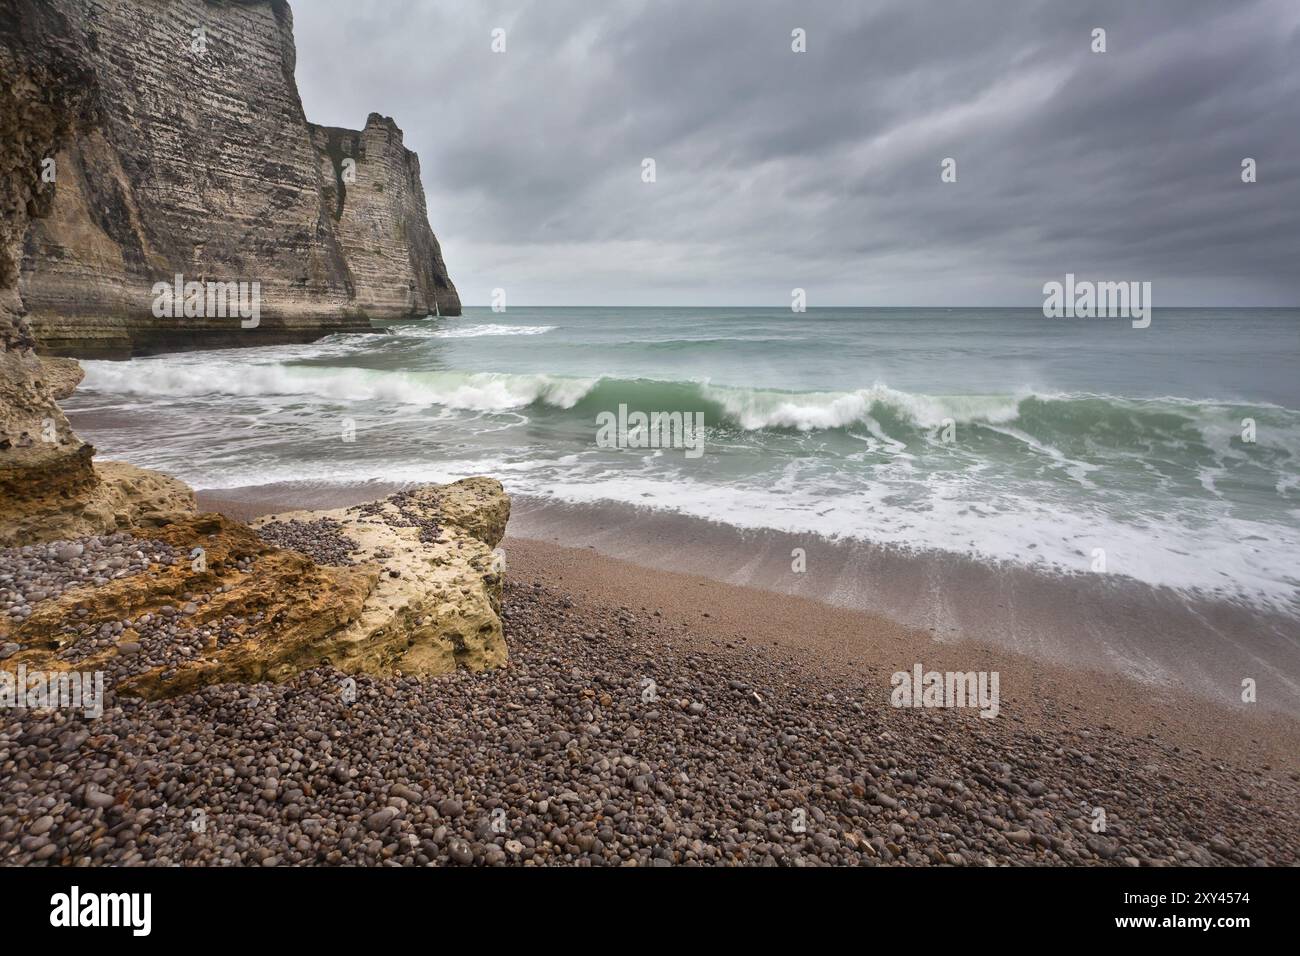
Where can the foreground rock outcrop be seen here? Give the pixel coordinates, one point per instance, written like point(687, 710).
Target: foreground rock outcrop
point(404, 586)
point(436, 603)
point(183, 150)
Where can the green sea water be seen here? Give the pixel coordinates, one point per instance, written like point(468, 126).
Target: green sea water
point(993, 433)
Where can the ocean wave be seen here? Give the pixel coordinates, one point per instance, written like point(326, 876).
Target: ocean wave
point(1165, 485)
point(1027, 415)
point(481, 391)
point(755, 409)
point(471, 331)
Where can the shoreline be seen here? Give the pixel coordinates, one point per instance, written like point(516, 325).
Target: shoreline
point(1159, 637)
point(833, 639)
point(1164, 640)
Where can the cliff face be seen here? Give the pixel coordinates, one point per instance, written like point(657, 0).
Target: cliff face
point(49, 486)
point(380, 220)
point(44, 93)
point(193, 158)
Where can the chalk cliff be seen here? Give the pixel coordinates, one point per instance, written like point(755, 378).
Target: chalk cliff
point(190, 155)
point(48, 484)
point(381, 221)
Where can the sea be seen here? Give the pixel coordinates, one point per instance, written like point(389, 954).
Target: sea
point(1168, 455)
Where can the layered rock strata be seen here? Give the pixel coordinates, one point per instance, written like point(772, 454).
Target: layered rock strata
point(189, 155)
point(49, 487)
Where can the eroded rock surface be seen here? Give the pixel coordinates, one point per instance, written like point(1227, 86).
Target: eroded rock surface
point(231, 609)
point(116, 497)
point(61, 376)
point(413, 588)
point(437, 602)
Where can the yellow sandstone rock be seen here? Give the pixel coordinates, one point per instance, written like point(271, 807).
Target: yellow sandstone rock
point(437, 601)
point(422, 599)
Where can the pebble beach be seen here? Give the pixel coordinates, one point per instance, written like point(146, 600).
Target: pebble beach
point(629, 734)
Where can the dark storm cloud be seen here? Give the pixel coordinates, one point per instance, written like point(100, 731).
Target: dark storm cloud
point(821, 169)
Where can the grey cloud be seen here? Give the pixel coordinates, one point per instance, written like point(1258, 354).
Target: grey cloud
point(821, 169)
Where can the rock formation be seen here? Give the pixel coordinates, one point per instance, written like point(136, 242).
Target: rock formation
point(380, 219)
point(415, 589)
point(436, 604)
point(185, 151)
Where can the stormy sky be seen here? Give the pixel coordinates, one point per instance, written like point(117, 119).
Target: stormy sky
point(821, 169)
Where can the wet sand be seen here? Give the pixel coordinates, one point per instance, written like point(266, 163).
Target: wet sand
point(1156, 636)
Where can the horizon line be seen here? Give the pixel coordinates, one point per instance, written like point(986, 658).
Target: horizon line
point(814, 308)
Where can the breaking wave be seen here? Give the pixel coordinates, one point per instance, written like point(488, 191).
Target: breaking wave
point(1047, 416)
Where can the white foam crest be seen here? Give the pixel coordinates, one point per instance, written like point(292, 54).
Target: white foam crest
point(754, 409)
point(482, 391)
point(1201, 554)
point(473, 331)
